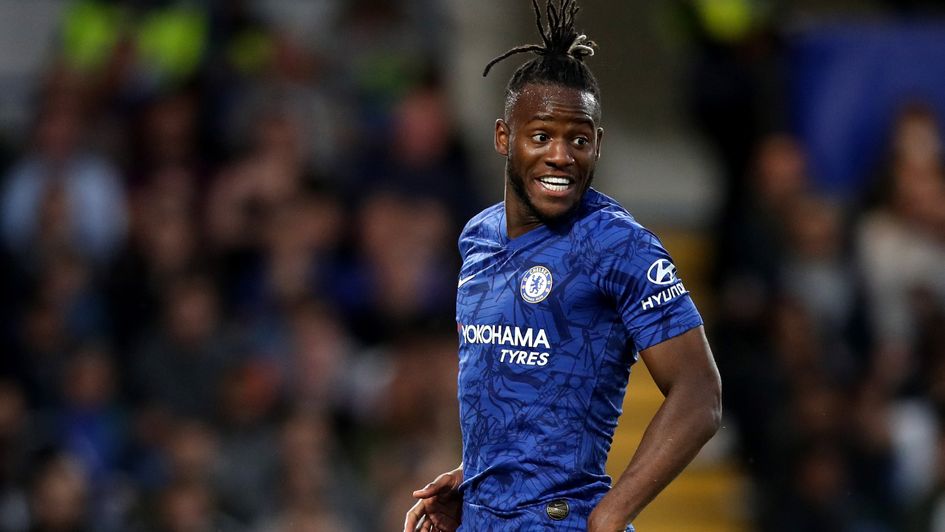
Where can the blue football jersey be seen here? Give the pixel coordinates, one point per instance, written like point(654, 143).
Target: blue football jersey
point(549, 324)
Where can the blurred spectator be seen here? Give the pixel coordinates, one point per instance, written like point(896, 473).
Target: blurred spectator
point(422, 156)
point(417, 357)
point(15, 446)
point(60, 307)
point(817, 275)
point(929, 513)
point(246, 199)
point(59, 496)
point(179, 366)
point(41, 350)
point(273, 172)
point(752, 311)
point(286, 209)
point(189, 506)
point(90, 424)
point(400, 275)
point(166, 137)
point(753, 252)
point(733, 89)
point(192, 452)
point(300, 243)
point(248, 449)
point(298, 84)
point(314, 372)
point(164, 244)
point(72, 286)
point(901, 245)
point(316, 490)
point(819, 500)
point(932, 345)
point(60, 197)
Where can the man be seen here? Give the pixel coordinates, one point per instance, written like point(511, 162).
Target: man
point(559, 290)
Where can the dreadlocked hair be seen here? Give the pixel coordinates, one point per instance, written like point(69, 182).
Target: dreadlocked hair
point(561, 54)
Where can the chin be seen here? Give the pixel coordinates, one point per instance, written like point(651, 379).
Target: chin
point(548, 212)
point(551, 215)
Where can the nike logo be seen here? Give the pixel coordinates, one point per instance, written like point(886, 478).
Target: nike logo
point(465, 280)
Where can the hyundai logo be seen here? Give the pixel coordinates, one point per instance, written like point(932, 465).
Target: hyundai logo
point(662, 272)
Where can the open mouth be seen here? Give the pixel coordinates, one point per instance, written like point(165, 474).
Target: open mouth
point(556, 183)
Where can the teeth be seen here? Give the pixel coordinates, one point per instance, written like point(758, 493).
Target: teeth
point(555, 184)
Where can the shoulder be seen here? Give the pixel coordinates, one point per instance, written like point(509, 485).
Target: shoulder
point(488, 217)
point(484, 227)
point(606, 227)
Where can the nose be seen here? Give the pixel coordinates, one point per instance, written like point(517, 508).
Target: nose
point(559, 154)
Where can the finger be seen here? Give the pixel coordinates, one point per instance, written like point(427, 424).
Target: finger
point(414, 516)
point(430, 489)
point(443, 522)
point(442, 483)
point(426, 526)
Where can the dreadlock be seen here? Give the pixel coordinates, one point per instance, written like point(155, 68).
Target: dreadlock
point(561, 55)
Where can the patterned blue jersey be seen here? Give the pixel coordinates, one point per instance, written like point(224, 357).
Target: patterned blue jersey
point(549, 324)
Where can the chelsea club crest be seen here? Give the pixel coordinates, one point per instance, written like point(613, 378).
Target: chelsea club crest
point(536, 284)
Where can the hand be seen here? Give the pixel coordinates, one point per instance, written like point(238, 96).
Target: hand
point(440, 505)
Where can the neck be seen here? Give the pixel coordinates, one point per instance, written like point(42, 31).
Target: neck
point(519, 218)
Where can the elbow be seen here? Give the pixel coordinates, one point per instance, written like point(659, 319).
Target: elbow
point(714, 417)
point(711, 416)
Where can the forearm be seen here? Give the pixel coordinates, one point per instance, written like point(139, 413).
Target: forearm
point(682, 425)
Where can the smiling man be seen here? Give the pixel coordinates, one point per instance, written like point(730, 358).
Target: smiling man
point(559, 293)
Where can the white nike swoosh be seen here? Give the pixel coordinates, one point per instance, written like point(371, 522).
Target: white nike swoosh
point(465, 280)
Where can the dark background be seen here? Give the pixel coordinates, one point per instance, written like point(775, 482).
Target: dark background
point(228, 252)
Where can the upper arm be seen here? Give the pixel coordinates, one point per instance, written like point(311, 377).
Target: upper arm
point(685, 358)
point(639, 275)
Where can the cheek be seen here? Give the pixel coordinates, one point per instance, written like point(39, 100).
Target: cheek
point(586, 162)
point(528, 154)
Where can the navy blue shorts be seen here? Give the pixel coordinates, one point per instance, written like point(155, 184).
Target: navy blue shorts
point(559, 514)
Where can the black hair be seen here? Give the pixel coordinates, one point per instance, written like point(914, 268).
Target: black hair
point(561, 55)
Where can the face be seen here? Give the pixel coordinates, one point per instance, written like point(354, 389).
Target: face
point(551, 142)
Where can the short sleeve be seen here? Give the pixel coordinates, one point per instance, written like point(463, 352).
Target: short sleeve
point(641, 278)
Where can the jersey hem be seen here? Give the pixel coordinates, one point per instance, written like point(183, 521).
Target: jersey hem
point(674, 332)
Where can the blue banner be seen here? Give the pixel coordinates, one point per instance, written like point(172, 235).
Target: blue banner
point(847, 83)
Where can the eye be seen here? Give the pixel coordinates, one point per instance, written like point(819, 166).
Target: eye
point(541, 137)
point(581, 141)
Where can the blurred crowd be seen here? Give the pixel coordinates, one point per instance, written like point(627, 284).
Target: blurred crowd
point(829, 309)
point(228, 270)
point(228, 266)
point(830, 341)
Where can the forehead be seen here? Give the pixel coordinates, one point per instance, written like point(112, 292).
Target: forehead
point(553, 101)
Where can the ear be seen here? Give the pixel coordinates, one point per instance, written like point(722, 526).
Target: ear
point(502, 135)
point(600, 137)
